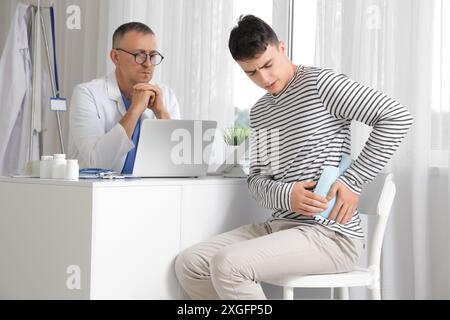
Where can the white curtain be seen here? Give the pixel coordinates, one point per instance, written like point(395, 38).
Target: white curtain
point(192, 35)
point(399, 47)
point(7, 12)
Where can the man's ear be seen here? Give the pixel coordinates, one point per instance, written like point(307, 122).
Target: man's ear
point(114, 56)
point(282, 47)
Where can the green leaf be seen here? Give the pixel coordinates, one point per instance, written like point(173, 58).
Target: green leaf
point(234, 136)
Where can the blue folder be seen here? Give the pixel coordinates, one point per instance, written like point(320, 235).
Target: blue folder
point(329, 175)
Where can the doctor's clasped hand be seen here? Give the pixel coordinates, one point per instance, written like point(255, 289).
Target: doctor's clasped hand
point(144, 96)
point(155, 103)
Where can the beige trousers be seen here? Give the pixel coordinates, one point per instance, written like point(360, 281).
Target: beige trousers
point(231, 265)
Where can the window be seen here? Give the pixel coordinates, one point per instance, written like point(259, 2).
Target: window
point(304, 32)
point(246, 93)
point(441, 86)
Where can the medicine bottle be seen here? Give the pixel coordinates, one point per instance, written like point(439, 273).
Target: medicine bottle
point(45, 167)
point(58, 166)
point(72, 170)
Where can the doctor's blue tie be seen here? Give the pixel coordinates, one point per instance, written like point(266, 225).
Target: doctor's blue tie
point(129, 162)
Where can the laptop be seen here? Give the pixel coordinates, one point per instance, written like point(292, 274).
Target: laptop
point(174, 148)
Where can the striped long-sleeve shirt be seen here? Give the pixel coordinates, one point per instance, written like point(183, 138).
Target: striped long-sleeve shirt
point(295, 134)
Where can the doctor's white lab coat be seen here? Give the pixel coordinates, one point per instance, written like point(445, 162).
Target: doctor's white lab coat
point(96, 138)
point(15, 96)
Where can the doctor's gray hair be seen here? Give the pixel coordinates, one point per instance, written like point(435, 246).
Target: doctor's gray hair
point(128, 27)
point(250, 38)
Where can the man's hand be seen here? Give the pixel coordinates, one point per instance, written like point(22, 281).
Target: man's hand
point(345, 205)
point(156, 104)
point(141, 97)
point(155, 101)
point(144, 96)
point(307, 202)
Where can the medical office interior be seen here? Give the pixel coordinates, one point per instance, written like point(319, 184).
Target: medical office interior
point(70, 239)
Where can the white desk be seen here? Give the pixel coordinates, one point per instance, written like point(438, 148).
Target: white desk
point(120, 237)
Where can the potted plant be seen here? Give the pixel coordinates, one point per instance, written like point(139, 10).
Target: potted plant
point(236, 139)
point(234, 136)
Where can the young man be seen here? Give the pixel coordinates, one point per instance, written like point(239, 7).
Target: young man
point(305, 116)
point(105, 114)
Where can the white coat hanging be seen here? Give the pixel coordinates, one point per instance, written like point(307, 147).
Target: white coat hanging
point(15, 96)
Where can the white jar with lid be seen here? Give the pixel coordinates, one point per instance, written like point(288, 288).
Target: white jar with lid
point(58, 166)
point(45, 167)
point(72, 170)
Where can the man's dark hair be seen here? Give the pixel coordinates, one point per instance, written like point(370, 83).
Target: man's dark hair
point(130, 26)
point(250, 38)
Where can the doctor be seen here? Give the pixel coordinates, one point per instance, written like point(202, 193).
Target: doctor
point(105, 114)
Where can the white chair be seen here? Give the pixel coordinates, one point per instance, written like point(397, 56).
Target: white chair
point(376, 199)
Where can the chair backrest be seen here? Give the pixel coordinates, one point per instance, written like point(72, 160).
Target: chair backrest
point(376, 199)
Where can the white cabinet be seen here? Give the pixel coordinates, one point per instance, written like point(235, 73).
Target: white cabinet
point(109, 239)
point(45, 237)
point(135, 237)
point(208, 210)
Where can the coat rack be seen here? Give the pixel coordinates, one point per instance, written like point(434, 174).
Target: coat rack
point(39, 37)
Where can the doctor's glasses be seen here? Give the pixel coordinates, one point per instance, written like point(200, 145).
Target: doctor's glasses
point(141, 57)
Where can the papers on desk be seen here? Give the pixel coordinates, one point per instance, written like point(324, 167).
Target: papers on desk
point(109, 176)
point(97, 173)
